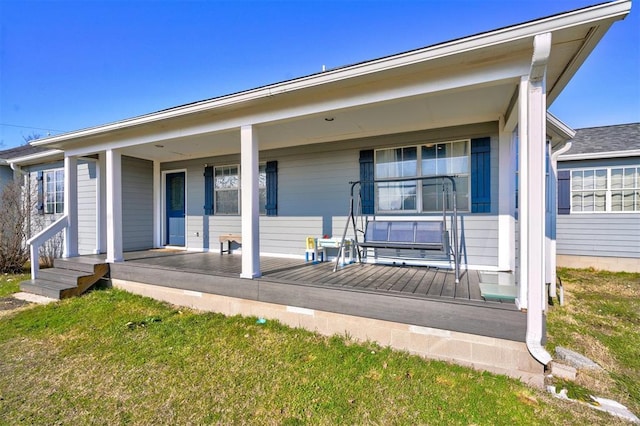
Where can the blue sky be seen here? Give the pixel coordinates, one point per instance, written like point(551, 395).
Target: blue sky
point(68, 65)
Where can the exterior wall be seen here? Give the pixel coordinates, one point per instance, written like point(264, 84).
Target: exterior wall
point(137, 204)
point(6, 176)
point(87, 192)
point(609, 241)
point(313, 195)
point(600, 235)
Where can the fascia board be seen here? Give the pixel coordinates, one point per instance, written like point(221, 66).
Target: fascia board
point(506, 35)
point(555, 125)
point(599, 155)
point(40, 157)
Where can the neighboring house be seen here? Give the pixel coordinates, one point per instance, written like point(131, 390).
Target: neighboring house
point(598, 222)
point(274, 165)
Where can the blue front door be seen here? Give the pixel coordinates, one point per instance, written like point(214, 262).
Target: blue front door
point(175, 209)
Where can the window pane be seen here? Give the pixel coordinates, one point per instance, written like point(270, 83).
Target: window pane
point(576, 180)
point(409, 161)
point(600, 201)
point(429, 167)
point(262, 200)
point(396, 196)
point(601, 179)
point(576, 202)
point(227, 202)
point(629, 177)
point(588, 202)
point(459, 158)
point(616, 178)
point(587, 182)
point(386, 163)
point(628, 201)
point(616, 201)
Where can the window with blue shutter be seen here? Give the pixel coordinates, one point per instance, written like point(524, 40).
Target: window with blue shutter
point(367, 176)
point(481, 175)
point(208, 190)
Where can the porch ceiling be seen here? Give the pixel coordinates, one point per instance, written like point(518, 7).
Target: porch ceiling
point(441, 109)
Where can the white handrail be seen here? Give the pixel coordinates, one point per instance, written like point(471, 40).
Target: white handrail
point(42, 237)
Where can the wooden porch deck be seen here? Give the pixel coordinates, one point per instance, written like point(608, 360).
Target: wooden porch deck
point(408, 281)
point(418, 296)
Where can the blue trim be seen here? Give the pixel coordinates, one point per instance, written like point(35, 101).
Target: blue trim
point(367, 192)
point(208, 190)
point(564, 192)
point(271, 170)
point(481, 175)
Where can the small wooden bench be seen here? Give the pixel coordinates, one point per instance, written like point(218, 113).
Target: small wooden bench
point(413, 235)
point(229, 238)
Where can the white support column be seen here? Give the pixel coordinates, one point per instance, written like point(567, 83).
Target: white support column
point(101, 204)
point(157, 205)
point(506, 203)
point(250, 208)
point(114, 206)
point(71, 206)
point(523, 185)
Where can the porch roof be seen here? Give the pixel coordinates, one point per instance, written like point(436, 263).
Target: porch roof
point(468, 80)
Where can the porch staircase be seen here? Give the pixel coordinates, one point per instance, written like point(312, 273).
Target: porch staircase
point(69, 277)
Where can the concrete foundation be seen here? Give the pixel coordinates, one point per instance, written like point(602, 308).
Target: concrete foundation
point(479, 352)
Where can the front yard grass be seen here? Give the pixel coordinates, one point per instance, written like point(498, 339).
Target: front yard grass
point(110, 357)
point(601, 320)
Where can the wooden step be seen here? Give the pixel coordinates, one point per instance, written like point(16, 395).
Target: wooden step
point(62, 276)
point(85, 264)
point(51, 289)
point(69, 277)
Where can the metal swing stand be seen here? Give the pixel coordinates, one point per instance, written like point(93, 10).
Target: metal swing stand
point(355, 215)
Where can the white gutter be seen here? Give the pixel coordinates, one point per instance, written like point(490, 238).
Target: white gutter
point(598, 155)
point(522, 31)
point(534, 335)
point(36, 158)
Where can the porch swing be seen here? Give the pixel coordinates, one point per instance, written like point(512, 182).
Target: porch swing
point(428, 236)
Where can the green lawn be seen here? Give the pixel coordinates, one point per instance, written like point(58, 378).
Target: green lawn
point(601, 320)
point(110, 357)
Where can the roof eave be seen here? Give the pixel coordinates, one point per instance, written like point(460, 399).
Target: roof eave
point(617, 9)
point(600, 155)
point(39, 157)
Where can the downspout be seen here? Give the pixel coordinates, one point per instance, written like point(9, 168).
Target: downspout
point(554, 218)
point(536, 126)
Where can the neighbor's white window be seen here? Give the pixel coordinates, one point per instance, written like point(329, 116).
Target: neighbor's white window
point(613, 189)
point(54, 191)
point(227, 189)
point(435, 159)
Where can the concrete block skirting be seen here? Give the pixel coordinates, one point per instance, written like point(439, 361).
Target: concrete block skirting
point(614, 264)
point(482, 353)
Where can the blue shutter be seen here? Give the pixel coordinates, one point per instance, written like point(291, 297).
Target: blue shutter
point(367, 185)
point(40, 183)
point(564, 192)
point(208, 190)
point(272, 188)
point(481, 175)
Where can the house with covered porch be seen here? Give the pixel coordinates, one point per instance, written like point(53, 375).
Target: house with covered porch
point(274, 165)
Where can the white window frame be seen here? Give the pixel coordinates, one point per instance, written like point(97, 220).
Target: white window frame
point(419, 183)
point(58, 196)
point(262, 187)
point(609, 191)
